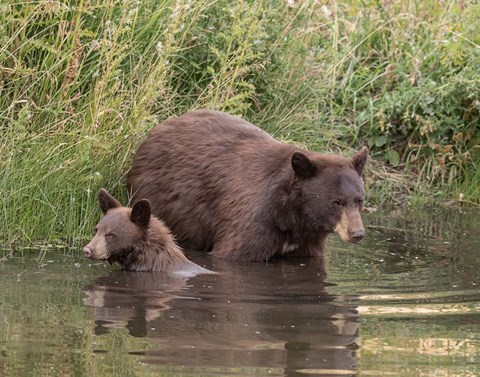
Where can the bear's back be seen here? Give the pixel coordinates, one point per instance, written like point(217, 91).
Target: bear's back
point(201, 150)
point(201, 169)
point(207, 128)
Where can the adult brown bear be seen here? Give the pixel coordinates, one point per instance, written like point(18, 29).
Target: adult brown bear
point(226, 186)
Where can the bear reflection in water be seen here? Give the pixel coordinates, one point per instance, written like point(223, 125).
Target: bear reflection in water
point(275, 315)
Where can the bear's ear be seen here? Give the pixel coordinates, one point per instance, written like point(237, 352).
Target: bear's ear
point(359, 160)
point(302, 166)
point(107, 201)
point(141, 213)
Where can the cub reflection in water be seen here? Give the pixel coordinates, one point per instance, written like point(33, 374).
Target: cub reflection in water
point(131, 300)
point(275, 315)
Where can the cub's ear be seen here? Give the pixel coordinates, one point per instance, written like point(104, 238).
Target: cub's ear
point(107, 201)
point(141, 213)
point(302, 166)
point(359, 160)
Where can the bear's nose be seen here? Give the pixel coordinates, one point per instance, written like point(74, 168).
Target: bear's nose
point(357, 236)
point(87, 251)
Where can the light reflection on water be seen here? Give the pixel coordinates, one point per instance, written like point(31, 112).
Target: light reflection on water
point(405, 302)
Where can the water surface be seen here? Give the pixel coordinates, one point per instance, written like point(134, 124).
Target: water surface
point(406, 302)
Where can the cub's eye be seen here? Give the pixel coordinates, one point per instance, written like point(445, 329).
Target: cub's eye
point(95, 230)
point(337, 202)
point(110, 236)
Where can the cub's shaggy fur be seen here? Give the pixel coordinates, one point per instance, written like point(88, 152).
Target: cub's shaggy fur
point(136, 240)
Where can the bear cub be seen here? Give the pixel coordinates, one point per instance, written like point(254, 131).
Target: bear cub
point(136, 240)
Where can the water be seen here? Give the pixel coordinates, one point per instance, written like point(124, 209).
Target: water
point(406, 302)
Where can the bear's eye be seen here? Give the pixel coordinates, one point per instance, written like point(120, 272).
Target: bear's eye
point(95, 230)
point(337, 202)
point(359, 202)
point(110, 235)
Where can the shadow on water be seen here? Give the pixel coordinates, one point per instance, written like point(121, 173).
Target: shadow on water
point(275, 318)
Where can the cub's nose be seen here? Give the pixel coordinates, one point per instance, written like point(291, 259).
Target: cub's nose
point(87, 251)
point(357, 235)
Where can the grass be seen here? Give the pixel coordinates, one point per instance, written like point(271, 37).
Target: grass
point(83, 81)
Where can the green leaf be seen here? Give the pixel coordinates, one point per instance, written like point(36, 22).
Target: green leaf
point(380, 141)
point(392, 157)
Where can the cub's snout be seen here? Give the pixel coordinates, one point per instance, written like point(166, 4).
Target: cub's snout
point(96, 249)
point(87, 251)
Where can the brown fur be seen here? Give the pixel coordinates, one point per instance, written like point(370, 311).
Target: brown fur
point(136, 240)
point(224, 185)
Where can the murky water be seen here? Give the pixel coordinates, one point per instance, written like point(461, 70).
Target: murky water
point(406, 302)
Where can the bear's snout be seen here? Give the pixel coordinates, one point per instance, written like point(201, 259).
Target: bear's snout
point(87, 251)
point(357, 236)
point(350, 227)
point(96, 249)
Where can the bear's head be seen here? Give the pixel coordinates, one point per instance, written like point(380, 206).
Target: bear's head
point(119, 230)
point(330, 192)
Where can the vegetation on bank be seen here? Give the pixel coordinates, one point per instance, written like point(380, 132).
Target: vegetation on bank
point(82, 81)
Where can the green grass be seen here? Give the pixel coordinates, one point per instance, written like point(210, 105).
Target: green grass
point(83, 81)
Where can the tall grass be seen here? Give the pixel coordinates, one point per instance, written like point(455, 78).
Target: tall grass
point(82, 81)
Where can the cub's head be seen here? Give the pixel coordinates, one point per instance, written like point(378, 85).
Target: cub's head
point(119, 230)
point(331, 193)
